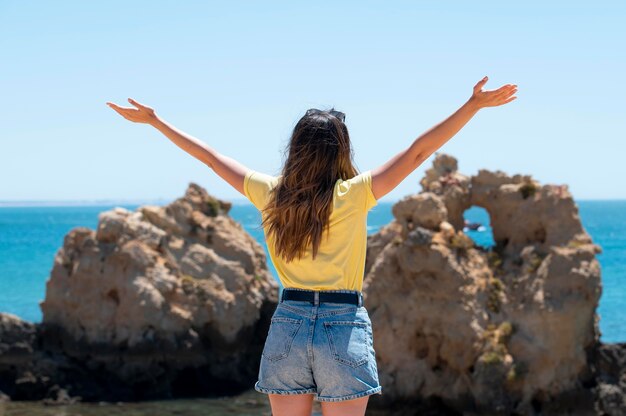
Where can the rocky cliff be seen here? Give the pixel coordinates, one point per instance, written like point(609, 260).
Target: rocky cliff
point(510, 329)
point(160, 302)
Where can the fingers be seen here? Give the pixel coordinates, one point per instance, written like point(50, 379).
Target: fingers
point(141, 106)
point(135, 103)
point(124, 112)
point(480, 84)
point(511, 90)
point(506, 97)
point(508, 87)
point(506, 91)
point(503, 89)
point(117, 107)
point(503, 92)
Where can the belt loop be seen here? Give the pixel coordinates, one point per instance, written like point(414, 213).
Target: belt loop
point(316, 300)
point(282, 295)
point(360, 296)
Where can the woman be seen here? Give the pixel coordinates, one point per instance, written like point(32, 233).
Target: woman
point(320, 343)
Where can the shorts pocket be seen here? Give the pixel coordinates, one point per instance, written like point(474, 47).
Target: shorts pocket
point(349, 341)
point(280, 337)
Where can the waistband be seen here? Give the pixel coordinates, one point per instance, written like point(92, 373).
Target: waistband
point(316, 297)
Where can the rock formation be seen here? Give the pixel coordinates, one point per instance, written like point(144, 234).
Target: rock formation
point(498, 330)
point(160, 302)
point(175, 301)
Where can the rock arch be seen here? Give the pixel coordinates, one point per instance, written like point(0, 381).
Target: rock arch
point(492, 330)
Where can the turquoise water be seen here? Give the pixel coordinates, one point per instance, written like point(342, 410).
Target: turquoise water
point(30, 237)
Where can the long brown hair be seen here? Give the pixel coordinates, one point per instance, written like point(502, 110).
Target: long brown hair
point(318, 154)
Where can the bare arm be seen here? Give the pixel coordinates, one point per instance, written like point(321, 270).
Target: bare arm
point(387, 176)
point(227, 168)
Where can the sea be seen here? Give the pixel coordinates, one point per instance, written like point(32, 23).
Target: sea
point(31, 234)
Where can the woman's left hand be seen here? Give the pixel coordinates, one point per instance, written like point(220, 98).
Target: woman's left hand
point(141, 114)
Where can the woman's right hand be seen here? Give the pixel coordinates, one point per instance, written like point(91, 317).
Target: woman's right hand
point(141, 114)
point(493, 98)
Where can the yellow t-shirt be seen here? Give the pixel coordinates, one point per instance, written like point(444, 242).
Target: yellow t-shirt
point(340, 260)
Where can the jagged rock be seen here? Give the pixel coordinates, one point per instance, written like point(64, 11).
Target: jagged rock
point(498, 331)
point(426, 210)
point(609, 364)
point(16, 338)
point(59, 396)
point(159, 302)
point(19, 379)
point(452, 187)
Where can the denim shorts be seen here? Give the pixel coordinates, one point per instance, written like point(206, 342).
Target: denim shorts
point(326, 349)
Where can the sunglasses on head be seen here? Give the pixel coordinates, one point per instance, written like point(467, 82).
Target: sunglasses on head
point(341, 116)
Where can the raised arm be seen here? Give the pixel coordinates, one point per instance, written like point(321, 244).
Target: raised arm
point(387, 176)
point(228, 168)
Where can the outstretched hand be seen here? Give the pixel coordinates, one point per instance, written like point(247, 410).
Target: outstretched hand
point(141, 114)
point(493, 98)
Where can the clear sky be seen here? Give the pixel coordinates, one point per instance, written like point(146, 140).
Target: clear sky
point(239, 74)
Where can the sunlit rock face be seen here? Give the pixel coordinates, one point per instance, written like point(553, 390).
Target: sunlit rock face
point(175, 297)
point(498, 330)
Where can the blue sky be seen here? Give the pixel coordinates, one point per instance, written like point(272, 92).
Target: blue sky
point(238, 75)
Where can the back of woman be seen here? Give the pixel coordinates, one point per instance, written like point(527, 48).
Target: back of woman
point(314, 216)
point(340, 259)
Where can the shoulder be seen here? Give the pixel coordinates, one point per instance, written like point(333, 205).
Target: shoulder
point(362, 178)
point(257, 185)
point(256, 177)
point(358, 189)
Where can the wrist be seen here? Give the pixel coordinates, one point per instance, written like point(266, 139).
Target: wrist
point(473, 104)
point(155, 121)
